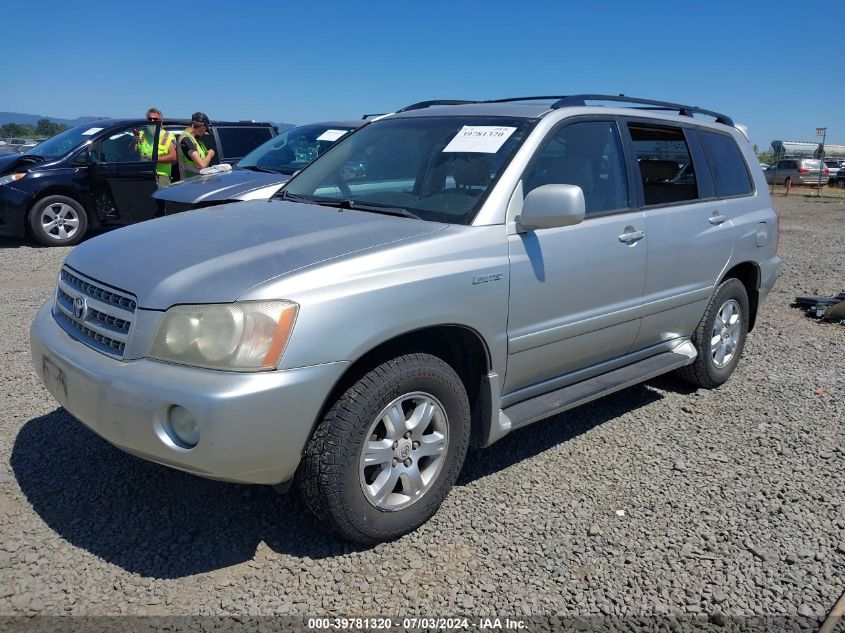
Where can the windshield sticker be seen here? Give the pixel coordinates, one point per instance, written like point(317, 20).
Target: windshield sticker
point(331, 135)
point(92, 130)
point(481, 139)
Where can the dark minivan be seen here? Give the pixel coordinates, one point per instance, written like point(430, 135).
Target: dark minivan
point(93, 176)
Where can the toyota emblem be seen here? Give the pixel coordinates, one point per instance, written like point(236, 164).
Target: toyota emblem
point(79, 307)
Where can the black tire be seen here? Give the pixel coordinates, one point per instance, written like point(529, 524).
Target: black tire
point(71, 230)
point(330, 474)
point(704, 371)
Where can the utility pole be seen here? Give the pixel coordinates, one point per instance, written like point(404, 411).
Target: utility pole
point(821, 131)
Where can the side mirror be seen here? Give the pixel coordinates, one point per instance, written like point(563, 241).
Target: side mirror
point(551, 206)
point(87, 156)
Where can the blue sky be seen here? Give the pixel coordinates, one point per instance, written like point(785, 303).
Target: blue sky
point(768, 65)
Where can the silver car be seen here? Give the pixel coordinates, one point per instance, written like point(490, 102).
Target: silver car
point(438, 278)
point(259, 174)
point(799, 171)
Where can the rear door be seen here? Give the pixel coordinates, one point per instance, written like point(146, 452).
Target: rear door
point(122, 181)
point(688, 227)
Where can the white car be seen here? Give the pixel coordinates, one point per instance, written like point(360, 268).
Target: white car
point(833, 165)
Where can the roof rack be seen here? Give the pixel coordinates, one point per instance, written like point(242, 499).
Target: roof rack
point(683, 110)
point(580, 100)
point(427, 104)
point(509, 100)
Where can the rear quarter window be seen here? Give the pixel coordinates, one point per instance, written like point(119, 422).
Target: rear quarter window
point(237, 142)
point(729, 168)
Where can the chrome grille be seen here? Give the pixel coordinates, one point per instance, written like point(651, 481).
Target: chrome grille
point(106, 316)
point(92, 289)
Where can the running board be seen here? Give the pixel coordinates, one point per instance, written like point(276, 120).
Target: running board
point(528, 411)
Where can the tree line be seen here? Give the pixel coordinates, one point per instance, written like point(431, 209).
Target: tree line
point(45, 128)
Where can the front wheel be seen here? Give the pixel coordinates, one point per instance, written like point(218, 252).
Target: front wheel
point(720, 337)
point(389, 449)
point(58, 221)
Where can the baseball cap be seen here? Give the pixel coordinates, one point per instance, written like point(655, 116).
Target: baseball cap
point(200, 118)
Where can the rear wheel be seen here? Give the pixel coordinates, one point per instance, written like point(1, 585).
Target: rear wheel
point(389, 450)
point(58, 221)
point(720, 337)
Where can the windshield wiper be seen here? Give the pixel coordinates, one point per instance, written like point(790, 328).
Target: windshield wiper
point(363, 206)
point(292, 197)
point(257, 168)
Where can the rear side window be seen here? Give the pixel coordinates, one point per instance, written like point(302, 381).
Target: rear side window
point(728, 165)
point(666, 167)
point(589, 155)
point(237, 142)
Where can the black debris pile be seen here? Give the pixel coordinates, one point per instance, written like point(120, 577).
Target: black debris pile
point(825, 308)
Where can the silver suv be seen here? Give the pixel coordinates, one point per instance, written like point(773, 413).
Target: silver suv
point(440, 277)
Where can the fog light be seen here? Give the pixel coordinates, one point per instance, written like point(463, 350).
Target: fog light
point(182, 427)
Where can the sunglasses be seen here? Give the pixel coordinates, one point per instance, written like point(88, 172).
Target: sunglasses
point(153, 119)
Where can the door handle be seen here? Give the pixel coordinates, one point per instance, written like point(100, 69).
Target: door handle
point(717, 218)
point(630, 236)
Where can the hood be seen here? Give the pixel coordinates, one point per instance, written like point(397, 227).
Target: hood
point(14, 161)
point(8, 161)
point(216, 254)
point(216, 187)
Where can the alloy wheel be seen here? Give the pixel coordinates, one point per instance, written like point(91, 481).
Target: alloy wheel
point(404, 451)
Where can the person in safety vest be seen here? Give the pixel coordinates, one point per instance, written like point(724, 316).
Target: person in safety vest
point(193, 154)
point(166, 154)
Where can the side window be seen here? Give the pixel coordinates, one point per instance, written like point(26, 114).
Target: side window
point(728, 165)
point(589, 155)
point(238, 141)
point(701, 171)
point(666, 167)
point(128, 145)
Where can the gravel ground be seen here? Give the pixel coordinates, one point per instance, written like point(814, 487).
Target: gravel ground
point(732, 499)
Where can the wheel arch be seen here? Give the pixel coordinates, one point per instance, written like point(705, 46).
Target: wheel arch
point(461, 347)
point(748, 273)
point(68, 192)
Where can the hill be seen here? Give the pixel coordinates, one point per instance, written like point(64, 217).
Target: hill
point(32, 119)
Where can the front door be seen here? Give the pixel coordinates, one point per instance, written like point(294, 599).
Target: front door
point(123, 179)
point(576, 291)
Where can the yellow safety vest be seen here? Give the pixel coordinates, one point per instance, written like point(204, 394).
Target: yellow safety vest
point(145, 148)
point(187, 167)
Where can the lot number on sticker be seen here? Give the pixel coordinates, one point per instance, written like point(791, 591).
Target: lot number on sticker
point(331, 135)
point(91, 131)
point(481, 139)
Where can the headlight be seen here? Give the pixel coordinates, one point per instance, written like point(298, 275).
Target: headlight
point(245, 336)
point(5, 180)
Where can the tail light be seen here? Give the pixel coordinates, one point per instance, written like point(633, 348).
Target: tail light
point(801, 170)
point(826, 171)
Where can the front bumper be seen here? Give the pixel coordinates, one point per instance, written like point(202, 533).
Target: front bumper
point(13, 207)
point(253, 426)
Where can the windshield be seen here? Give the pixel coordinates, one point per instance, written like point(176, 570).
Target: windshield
point(438, 168)
point(293, 149)
point(63, 142)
